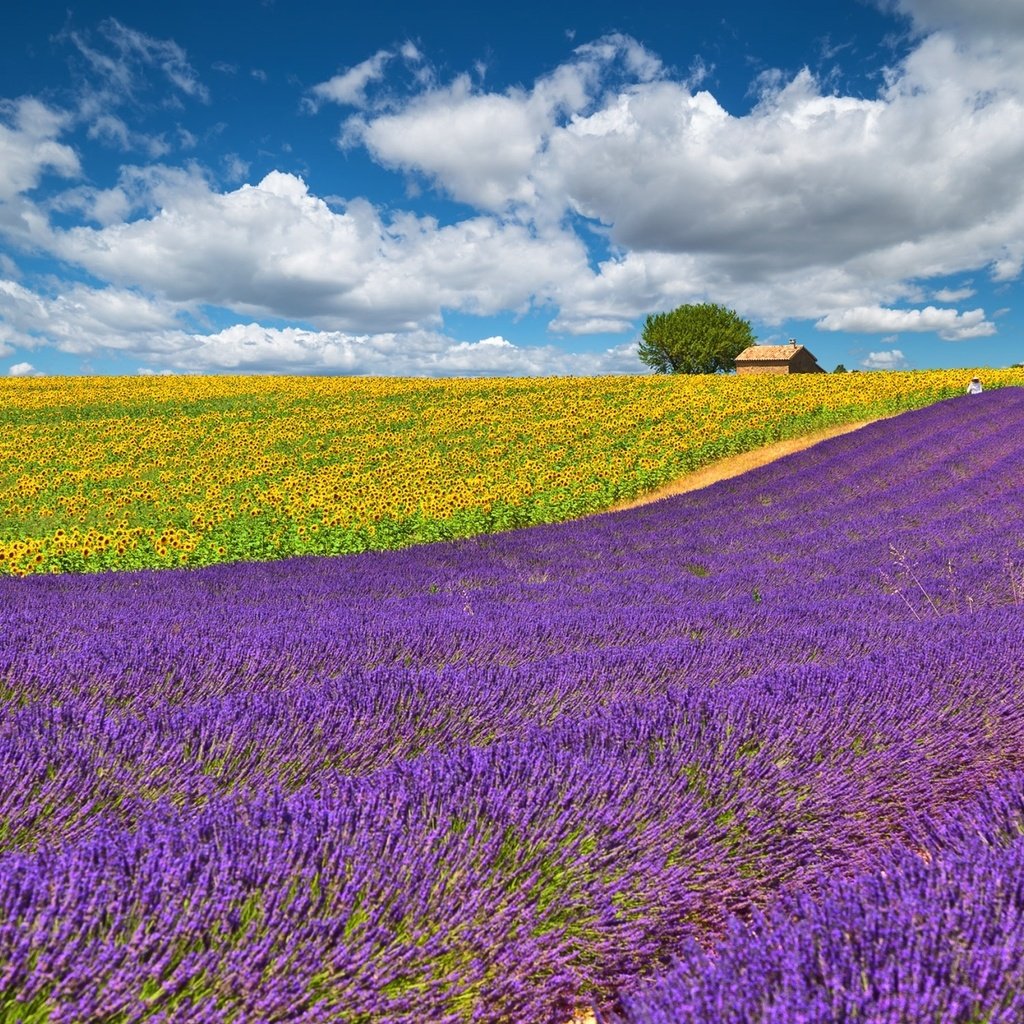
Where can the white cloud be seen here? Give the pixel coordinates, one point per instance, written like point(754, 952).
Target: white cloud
point(349, 88)
point(483, 147)
point(949, 324)
point(235, 168)
point(813, 205)
point(805, 179)
point(954, 294)
point(114, 130)
point(84, 322)
point(809, 202)
point(274, 249)
point(436, 135)
point(104, 206)
point(28, 146)
point(967, 17)
point(83, 319)
point(23, 370)
point(128, 51)
point(253, 348)
point(637, 61)
point(891, 359)
point(139, 190)
point(1007, 266)
point(111, 128)
point(125, 70)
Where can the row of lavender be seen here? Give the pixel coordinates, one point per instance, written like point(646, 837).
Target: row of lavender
point(512, 877)
point(484, 781)
point(934, 933)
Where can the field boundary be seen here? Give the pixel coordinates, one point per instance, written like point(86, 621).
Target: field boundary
point(736, 465)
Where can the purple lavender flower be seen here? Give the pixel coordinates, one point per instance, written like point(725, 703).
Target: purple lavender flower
point(491, 780)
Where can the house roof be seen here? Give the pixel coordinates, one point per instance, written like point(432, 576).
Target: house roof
point(771, 352)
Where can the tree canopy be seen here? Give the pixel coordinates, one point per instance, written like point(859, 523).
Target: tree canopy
point(704, 338)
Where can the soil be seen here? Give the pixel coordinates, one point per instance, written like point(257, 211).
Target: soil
point(734, 465)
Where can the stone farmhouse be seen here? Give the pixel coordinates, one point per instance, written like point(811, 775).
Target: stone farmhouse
point(776, 359)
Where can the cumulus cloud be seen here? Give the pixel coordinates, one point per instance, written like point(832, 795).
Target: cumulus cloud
point(889, 359)
point(487, 142)
point(949, 324)
point(868, 196)
point(1007, 266)
point(85, 321)
point(275, 249)
point(805, 179)
point(254, 348)
point(138, 190)
point(482, 147)
point(812, 205)
point(637, 61)
point(23, 370)
point(82, 319)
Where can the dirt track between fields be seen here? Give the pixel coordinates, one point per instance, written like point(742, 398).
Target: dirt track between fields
point(734, 465)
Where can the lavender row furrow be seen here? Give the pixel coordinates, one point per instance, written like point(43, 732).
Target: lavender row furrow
point(935, 932)
point(66, 764)
point(555, 867)
point(486, 780)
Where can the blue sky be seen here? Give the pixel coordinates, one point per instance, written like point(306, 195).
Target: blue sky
point(437, 189)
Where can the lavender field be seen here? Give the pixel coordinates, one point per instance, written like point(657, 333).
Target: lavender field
point(751, 753)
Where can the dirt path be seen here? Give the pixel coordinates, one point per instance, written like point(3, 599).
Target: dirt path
point(734, 465)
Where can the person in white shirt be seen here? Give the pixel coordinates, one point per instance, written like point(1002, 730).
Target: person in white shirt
point(974, 388)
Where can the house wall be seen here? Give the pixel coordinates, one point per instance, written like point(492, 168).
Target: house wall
point(765, 366)
point(804, 362)
point(801, 362)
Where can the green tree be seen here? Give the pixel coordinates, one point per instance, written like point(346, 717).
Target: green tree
point(839, 369)
point(705, 338)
